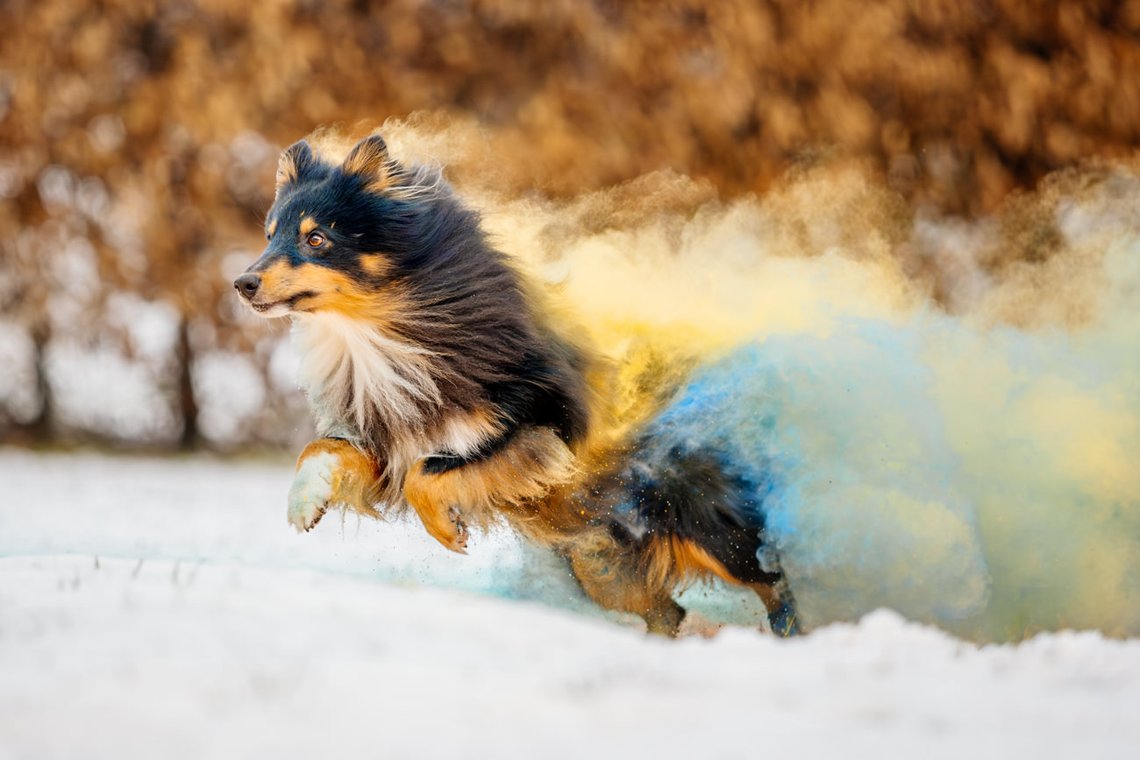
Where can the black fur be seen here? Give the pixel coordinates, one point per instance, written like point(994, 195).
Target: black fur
point(441, 463)
point(692, 495)
point(465, 304)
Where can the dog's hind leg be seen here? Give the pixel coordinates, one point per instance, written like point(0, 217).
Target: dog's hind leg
point(331, 472)
point(781, 609)
point(609, 575)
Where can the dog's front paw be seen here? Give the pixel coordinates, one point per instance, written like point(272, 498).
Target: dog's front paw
point(311, 491)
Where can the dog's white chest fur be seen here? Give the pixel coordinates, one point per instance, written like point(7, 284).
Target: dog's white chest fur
point(349, 364)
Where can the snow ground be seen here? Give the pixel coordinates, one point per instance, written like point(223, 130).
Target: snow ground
point(162, 607)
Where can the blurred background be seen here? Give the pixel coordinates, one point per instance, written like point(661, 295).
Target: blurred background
point(138, 141)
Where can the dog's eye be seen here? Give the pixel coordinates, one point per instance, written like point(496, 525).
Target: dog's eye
point(315, 239)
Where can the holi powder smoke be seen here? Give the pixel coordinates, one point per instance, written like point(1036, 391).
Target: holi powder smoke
point(948, 411)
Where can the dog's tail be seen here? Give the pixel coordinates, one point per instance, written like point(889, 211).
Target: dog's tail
point(691, 512)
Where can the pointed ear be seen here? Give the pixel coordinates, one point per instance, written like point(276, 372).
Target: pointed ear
point(370, 161)
point(296, 162)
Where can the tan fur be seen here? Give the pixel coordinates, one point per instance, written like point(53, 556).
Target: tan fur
point(531, 463)
point(768, 594)
point(286, 174)
point(277, 282)
point(286, 171)
point(673, 561)
point(610, 576)
point(369, 159)
point(355, 482)
point(464, 432)
point(308, 224)
point(331, 291)
point(615, 577)
point(376, 265)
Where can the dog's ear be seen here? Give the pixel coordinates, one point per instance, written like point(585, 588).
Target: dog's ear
point(370, 161)
point(296, 163)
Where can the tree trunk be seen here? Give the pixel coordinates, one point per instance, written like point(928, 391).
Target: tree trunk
point(187, 404)
point(40, 426)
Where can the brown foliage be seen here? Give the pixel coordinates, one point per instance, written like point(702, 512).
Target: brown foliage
point(150, 128)
point(957, 102)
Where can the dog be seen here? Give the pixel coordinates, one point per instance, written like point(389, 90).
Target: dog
point(438, 383)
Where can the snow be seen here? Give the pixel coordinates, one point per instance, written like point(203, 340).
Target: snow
point(163, 607)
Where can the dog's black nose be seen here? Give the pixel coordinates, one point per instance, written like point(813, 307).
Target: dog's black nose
point(248, 284)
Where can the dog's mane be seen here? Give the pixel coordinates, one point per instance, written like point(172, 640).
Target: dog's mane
point(458, 336)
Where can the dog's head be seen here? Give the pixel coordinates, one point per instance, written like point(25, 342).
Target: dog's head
point(338, 234)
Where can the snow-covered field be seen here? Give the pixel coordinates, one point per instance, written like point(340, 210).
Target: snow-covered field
point(163, 608)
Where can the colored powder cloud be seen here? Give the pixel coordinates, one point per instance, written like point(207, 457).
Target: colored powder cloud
point(950, 410)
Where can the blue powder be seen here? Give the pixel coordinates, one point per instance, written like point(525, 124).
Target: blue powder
point(848, 461)
point(980, 481)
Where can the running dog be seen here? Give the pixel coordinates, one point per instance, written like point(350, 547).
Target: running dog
point(438, 382)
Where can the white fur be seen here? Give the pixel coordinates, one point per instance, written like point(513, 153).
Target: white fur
point(462, 435)
point(312, 488)
point(426, 181)
point(350, 361)
point(277, 310)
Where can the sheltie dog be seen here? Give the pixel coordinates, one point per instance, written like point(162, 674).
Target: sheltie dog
point(438, 382)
